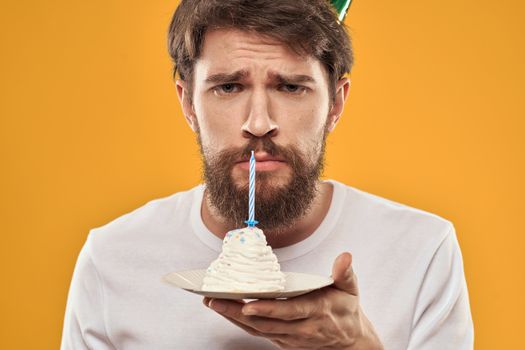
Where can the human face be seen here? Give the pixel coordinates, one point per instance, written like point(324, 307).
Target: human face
point(247, 86)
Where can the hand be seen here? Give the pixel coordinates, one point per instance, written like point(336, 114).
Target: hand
point(329, 318)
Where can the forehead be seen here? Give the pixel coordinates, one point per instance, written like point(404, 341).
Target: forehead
point(227, 50)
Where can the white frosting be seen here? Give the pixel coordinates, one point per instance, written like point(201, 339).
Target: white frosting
point(246, 264)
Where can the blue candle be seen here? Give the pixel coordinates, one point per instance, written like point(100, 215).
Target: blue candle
point(251, 200)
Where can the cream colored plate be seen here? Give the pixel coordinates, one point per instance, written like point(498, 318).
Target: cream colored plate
point(296, 284)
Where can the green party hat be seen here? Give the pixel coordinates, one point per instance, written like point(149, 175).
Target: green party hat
point(341, 7)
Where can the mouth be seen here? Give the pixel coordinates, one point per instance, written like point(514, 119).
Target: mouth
point(263, 162)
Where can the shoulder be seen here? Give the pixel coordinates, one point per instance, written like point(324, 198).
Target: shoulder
point(391, 222)
point(146, 221)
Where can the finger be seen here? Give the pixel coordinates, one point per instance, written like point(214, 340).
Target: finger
point(284, 341)
point(246, 328)
point(206, 301)
point(290, 309)
point(343, 274)
point(233, 310)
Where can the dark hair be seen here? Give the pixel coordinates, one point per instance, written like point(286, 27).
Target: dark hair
point(308, 27)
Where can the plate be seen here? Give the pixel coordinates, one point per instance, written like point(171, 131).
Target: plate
point(296, 284)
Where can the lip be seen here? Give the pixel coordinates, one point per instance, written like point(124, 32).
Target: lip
point(263, 157)
point(263, 162)
point(268, 165)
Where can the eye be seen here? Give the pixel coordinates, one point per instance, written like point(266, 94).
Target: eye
point(293, 88)
point(226, 89)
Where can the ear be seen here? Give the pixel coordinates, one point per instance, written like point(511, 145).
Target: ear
point(342, 89)
point(186, 104)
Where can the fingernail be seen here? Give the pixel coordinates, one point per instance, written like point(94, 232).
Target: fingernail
point(349, 262)
point(248, 310)
point(217, 305)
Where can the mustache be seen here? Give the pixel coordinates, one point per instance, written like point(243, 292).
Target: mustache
point(233, 155)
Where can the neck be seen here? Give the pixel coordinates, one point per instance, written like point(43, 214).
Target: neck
point(278, 238)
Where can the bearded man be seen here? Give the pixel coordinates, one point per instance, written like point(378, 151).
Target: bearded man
point(269, 76)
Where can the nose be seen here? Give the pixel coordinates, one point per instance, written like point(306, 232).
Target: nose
point(259, 121)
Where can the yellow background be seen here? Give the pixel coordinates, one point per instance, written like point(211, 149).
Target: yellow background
point(91, 129)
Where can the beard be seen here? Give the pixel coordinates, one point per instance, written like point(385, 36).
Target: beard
point(276, 207)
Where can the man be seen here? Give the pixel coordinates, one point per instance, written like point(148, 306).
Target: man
point(268, 76)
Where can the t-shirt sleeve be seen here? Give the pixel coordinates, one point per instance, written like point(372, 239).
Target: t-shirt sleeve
point(84, 326)
point(442, 318)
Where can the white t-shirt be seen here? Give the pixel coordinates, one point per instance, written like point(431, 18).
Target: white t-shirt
point(408, 264)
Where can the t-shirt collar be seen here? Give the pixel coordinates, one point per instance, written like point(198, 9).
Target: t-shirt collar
point(283, 254)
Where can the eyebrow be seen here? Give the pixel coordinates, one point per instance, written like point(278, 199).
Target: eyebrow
point(227, 77)
point(292, 79)
point(221, 78)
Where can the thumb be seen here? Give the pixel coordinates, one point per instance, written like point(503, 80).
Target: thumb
point(343, 274)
